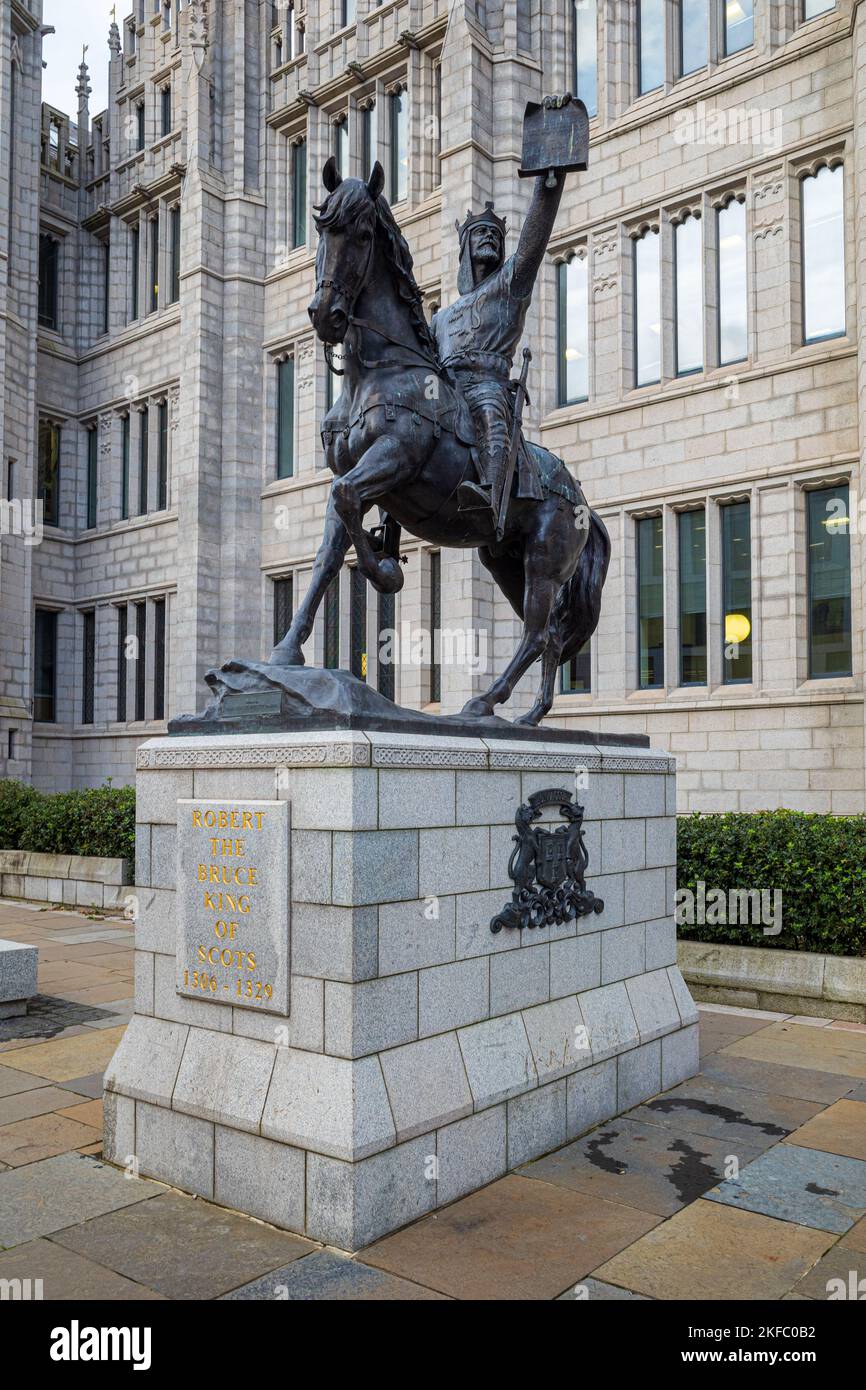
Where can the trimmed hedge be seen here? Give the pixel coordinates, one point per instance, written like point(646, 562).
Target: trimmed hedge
point(100, 821)
point(818, 862)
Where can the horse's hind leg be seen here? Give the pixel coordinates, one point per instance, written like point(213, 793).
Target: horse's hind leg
point(539, 594)
point(547, 690)
point(328, 563)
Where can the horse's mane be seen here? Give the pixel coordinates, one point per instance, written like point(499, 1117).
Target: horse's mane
point(341, 207)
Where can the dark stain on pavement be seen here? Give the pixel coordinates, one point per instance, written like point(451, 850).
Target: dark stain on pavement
point(690, 1175)
point(721, 1112)
point(821, 1191)
point(606, 1162)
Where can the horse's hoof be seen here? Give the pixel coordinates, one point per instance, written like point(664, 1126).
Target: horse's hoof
point(477, 709)
point(530, 720)
point(286, 656)
point(389, 579)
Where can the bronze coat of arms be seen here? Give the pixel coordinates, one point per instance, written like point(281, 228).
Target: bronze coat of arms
point(547, 867)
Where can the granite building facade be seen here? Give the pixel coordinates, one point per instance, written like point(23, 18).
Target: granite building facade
point(700, 363)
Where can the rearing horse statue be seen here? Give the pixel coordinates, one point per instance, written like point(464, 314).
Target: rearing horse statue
point(399, 437)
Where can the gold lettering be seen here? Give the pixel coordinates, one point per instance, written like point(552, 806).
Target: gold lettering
point(196, 819)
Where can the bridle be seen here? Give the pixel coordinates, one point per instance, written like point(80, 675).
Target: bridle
point(350, 298)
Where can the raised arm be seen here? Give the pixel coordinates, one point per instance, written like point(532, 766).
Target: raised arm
point(536, 230)
point(535, 233)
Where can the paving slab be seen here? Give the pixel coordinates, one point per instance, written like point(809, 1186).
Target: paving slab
point(805, 1186)
point(68, 1276)
point(48, 1016)
point(88, 1112)
point(183, 1248)
point(44, 1197)
point(516, 1239)
point(66, 1057)
point(840, 1129)
point(91, 1085)
point(43, 1136)
point(820, 1049)
point(39, 1100)
point(738, 1116)
point(713, 1252)
point(591, 1290)
point(639, 1165)
point(13, 1083)
point(775, 1078)
point(336, 1278)
point(840, 1277)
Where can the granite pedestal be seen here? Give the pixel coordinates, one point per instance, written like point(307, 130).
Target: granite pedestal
point(18, 965)
point(384, 1052)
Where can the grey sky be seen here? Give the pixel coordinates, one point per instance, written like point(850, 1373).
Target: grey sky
point(77, 22)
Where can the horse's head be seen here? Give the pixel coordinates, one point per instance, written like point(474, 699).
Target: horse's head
point(346, 223)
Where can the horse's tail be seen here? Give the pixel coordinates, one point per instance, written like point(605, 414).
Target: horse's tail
point(581, 596)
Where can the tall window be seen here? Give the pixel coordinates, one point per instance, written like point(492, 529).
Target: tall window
point(283, 602)
point(159, 658)
point(387, 626)
point(812, 8)
point(585, 59)
point(143, 459)
point(174, 256)
point(574, 675)
point(647, 308)
point(153, 275)
point(341, 145)
point(49, 280)
point(45, 667)
point(650, 603)
point(347, 12)
point(823, 254)
point(651, 44)
point(134, 269)
point(286, 418)
point(731, 236)
point(140, 661)
point(435, 626)
point(739, 25)
point(693, 31)
point(124, 466)
point(437, 117)
point(357, 623)
point(736, 593)
point(92, 477)
point(122, 626)
point(165, 111)
point(692, 535)
point(829, 566)
point(162, 457)
point(689, 281)
point(48, 472)
point(299, 193)
point(398, 135)
point(88, 682)
point(369, 139)
point(573, 331)
point(332, 624)
point(139, 126)
point(105, 251)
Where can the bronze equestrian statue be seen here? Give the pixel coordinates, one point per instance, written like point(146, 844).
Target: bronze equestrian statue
point(424, 427)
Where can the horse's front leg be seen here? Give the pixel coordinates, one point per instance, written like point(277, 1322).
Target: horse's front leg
point(381, 468)
point(328, 563)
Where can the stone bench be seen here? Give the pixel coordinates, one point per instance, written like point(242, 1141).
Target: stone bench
point(17, 977)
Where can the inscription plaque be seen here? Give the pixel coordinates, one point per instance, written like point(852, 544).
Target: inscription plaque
point(233, 908)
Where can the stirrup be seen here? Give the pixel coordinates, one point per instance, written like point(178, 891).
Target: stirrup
point(473, 497)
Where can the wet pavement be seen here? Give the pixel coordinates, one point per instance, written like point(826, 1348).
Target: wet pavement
point(747, 1182)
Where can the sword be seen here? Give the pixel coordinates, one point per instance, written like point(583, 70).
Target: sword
point(519, 398)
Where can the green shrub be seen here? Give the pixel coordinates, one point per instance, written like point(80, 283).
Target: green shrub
point(15, 797)
point(818, 862)
point(100, 821)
